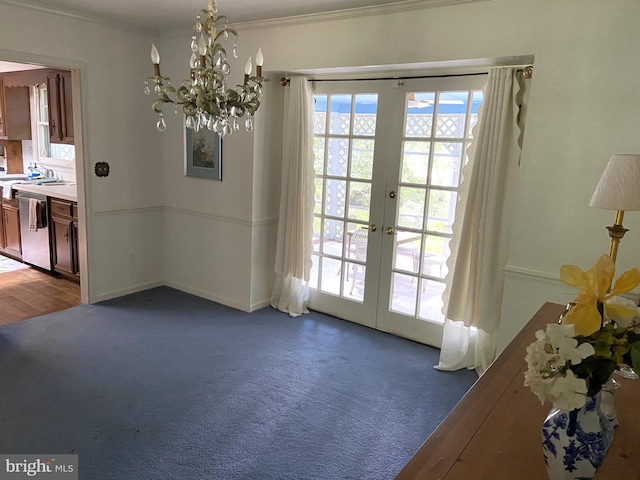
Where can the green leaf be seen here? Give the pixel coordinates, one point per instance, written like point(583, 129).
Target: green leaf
point(635, 356)
point(596, 371)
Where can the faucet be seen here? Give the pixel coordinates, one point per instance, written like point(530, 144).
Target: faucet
point(48, 173)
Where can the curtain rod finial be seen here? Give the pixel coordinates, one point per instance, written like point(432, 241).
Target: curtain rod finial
point(284, 81)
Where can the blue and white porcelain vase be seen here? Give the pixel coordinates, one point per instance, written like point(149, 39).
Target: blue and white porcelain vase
point(576, 442)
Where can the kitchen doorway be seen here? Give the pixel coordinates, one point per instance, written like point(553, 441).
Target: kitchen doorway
point(51, 292)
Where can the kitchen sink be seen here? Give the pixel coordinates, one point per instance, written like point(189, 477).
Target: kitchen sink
point(12, 176)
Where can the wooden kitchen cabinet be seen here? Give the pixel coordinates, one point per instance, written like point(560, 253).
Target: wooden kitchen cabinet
point(11, 229)
point(59, 93)
point(16, 112)
point(3, 133)
point(2, 242)
point(64, 237)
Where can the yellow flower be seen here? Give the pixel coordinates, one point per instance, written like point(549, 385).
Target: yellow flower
point(594, 289)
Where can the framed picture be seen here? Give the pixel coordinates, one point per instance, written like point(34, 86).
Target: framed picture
point(204, 154)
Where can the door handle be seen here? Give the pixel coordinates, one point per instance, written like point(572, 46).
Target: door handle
point(392, 194)
point(373, 227)
point(391, 231)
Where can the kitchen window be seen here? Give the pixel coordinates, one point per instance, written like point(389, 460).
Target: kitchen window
point(47, 152)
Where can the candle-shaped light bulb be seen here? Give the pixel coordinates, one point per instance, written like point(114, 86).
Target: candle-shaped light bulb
point(259, 61)
point(155, 55)
point(247, 71)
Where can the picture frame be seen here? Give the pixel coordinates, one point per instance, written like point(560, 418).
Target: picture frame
point(203, 154)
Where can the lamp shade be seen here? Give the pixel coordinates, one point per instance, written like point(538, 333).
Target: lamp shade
point(619, 186)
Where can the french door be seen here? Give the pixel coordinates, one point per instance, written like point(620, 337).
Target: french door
point(388, 158)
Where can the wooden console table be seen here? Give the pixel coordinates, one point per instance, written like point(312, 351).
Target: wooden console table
point(494, 433)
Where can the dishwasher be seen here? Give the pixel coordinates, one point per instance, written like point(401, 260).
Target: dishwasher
point(36, 247)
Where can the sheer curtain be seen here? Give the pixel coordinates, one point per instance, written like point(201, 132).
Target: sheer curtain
point(295, 225)
point(479, 247)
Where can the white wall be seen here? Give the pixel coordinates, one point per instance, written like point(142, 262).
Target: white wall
point(584, 106)
point(117, 127)
point(216, 238)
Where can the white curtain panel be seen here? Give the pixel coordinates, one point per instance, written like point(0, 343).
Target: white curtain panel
point(295, 225)
point(479, 247)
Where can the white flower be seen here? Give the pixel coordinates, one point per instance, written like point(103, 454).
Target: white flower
point(623, 319)
point(574, 354)
point(568, 392)
point(549, 358)
point(536, 356)
point(559, 333)
point(538, 384)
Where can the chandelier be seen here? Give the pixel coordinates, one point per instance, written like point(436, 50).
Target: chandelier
point(205, 98)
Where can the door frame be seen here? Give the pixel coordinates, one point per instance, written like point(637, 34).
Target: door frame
point(78, 78)
point(388, 157)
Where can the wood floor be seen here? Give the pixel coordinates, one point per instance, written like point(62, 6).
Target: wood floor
point(29, 293)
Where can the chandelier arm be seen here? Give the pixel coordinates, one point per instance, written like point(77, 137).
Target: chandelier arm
point(228, 31)
point(156, 102)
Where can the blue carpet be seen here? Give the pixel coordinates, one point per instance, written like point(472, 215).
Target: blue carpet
point(165, 385)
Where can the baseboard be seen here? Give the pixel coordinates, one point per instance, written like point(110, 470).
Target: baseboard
point(258, 305)
point(207, 295)
point(125, 291)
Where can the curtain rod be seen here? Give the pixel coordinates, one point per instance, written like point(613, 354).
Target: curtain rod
point(527, 72)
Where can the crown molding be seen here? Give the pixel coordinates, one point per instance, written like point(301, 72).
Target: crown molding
point(76, 16)
point(397, 7)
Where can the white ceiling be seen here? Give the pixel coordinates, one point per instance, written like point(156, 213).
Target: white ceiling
point(167, 15)
point(12, 67)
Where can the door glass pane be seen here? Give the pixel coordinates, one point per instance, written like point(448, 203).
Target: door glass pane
point(411, 207)
point(364, 121)
point(333, 236)
point(404, 294)
point(442, 204)
point(407, 251)
point(330, 282)
point(353, 286)
point(446, 164)
point(362, 158)
point(359, 201)
point(317, 229)
point(415, 162)
point(434, 257)
point(419, 114)
point(338, 157)
point(320, 114)
point(335, 196)
point(340, 114)
point(431, 300)
point(318, 155)
point(452, 114)
point(317, 208)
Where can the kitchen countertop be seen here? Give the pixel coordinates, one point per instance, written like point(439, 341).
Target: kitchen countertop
point(68, 191)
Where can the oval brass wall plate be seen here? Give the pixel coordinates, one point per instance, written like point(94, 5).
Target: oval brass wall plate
point(102, 169)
